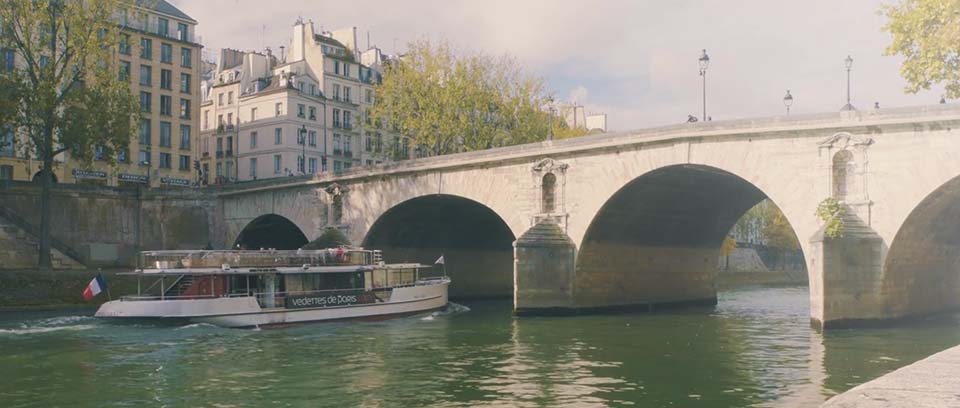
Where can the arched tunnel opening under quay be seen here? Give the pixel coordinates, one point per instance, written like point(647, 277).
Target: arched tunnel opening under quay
point(921, 272)
point(270, 231)
point(657, 241)
point(476, 243)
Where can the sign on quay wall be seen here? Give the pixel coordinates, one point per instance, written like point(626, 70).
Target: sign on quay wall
point(329, 299)
point(89, 174)
point(134, 178)
point(174, 181)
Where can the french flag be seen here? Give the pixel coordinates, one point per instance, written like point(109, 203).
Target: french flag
point(96, 286)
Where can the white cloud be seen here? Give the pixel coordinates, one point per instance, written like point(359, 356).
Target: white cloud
point(638, 59)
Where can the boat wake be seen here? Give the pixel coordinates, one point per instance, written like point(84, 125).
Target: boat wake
point(451, 309)
point(53, 324)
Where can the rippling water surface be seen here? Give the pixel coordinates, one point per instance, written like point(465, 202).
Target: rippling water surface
point(754, 348)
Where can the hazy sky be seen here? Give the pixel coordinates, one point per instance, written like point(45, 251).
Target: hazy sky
point(634, 60)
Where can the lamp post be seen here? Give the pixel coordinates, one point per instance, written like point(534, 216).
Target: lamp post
point(303, 144)
point(848, 62)
point(704, 63)
point(787, 101)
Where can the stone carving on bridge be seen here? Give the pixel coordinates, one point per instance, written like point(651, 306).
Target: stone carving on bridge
point(845, 159)
point(334, 211)
point(548, 191)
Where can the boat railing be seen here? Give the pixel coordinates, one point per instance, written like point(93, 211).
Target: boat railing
point(130, 298)
point(178, 259)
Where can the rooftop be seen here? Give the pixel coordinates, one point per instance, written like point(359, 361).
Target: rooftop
point(164, 7)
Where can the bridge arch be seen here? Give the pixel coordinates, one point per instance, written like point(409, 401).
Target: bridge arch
point(270, 231)
point(477, 244)
point(921, 272)
point(657, 239)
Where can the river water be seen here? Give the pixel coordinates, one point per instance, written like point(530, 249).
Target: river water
point(754, 349)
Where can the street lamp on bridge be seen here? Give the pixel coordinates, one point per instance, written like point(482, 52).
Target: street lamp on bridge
point(704, 63)
point(787, 101)
point(848, 62)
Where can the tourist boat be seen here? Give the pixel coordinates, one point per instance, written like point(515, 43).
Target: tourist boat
point(270, 287)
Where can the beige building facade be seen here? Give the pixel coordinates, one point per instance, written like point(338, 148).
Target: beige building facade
point(159, 56)
point(305, 112)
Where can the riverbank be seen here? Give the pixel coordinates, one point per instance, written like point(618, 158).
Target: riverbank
point(931, 382)
point(730, 280)
point(33, 289)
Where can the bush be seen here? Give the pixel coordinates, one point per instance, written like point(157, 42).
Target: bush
point(331, 238)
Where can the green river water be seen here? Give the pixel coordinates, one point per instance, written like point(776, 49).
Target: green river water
point(754, 349)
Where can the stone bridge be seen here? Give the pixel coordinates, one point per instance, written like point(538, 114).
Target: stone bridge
point(637, 218)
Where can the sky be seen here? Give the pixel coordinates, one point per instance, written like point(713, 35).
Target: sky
point(636, 61)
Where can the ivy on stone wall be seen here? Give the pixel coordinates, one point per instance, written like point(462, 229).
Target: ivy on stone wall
point(831, 212)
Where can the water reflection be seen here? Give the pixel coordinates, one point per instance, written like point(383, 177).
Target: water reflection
point(754, 349)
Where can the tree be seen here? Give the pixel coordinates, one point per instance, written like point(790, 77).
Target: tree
point(927, 34)
point(447, 103)
point(63, 95)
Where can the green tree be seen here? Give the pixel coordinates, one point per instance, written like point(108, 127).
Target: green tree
point(927, 34)
point(63, 94)
point(331, 238)
point(447, 103)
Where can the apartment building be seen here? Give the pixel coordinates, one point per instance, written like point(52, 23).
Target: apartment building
point(303, 113)
point(159, 55)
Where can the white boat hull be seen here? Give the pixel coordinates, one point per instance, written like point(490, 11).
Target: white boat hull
point(246, 312)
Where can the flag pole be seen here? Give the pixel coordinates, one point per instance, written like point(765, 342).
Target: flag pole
point(100, 274)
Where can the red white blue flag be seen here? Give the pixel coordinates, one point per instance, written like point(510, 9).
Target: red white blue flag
point(96, 286)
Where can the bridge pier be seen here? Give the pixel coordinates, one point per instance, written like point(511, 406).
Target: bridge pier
point(543, 271)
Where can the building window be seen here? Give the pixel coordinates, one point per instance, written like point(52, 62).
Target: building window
point(206, 119)
point(276, 164)
point(145, 101)
point(347, 149)
point(312, 165)
point(278, 136)
point(548, 188)
point(230, 98)
point(229, 146)
point(368, 144)
point(166, 161)
point(346, 93)
point(6, 172)
point(144, 157)
point(336, 118)
point(219, 169)
point(368, 96)
point(165, 105)
point(146, 48)
point(253, 114)
point(144, 132)
point(184, 108)
point(337, 144)
point(163, 27)
point(146, 75)
point(313, 113)
point(337, 168)
point(253, 140)
point(300, 86)
point(7, 143)
point(165, 134)
point(220, 99)
point(336, 92)
point(219, 146)
point(186, 57)
point(166, 79)
point(300, 164)
point(124, 47)
point(166, 53)
point(313, 89)
point(230, 119)
point(346, 69)
point(336, 67)
point(185, 83)
point(301, 110)
point(279, 109)
point(184, 162)
point(122, 155)
point(183, 32)
point(9, 57)
point(312, 138)
point(253, 168)
point(346, 120)
point(124, 70)
point(185, 137)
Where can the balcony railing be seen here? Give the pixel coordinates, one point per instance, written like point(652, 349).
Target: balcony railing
point(229, 153)
point(219, 153)
point(153, 27)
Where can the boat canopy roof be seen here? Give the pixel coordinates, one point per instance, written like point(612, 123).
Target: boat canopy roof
point(227, 270)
